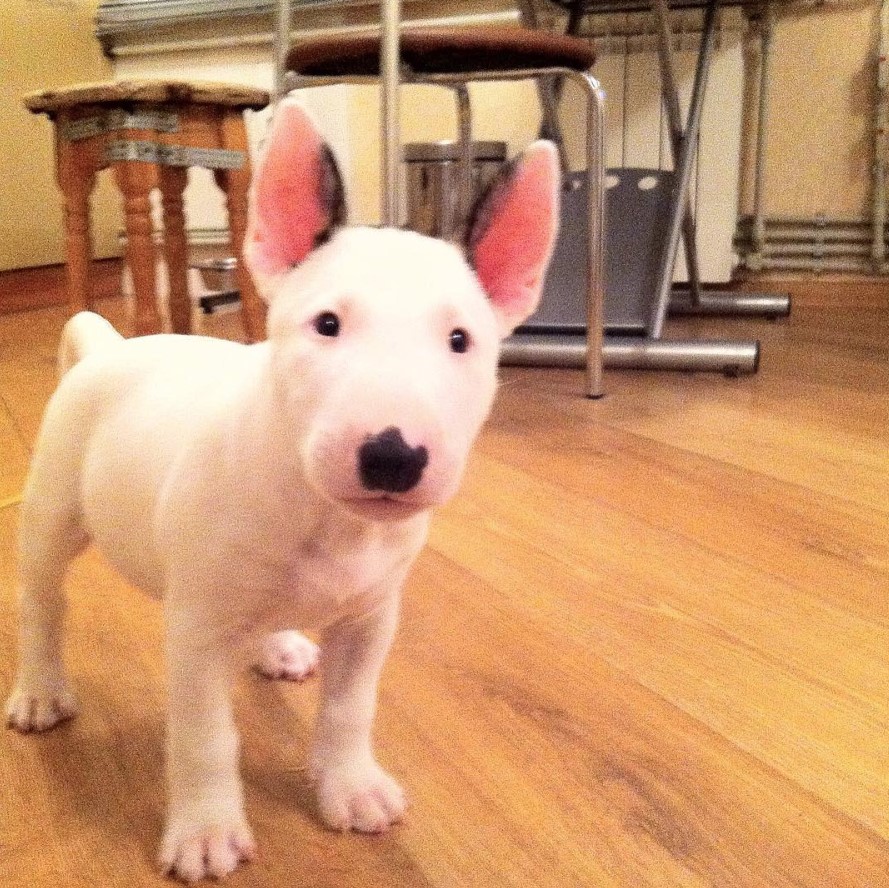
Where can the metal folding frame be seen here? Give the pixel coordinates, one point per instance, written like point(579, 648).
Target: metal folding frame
point(683, 139)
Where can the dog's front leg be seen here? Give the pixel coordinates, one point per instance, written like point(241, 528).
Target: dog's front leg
point(206, 833)
point(354, 792)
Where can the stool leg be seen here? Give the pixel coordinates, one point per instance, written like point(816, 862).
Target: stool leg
point(136, 179)
point(235, 184)
point(172, 183)
point(76, 177)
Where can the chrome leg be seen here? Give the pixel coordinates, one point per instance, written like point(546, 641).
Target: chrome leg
point(281, 47)
point(595, 159)
point(389, 137)
point(625, 353)
point(464, 165)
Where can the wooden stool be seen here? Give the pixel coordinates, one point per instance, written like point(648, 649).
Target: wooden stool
point(150, 132)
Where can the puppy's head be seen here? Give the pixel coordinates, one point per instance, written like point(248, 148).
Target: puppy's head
point(385, 342)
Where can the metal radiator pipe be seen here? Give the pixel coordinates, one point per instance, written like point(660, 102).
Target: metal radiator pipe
point(715, 356)
point(855, 232)
point(812, 235)
point(881, 118)
point(765, 67)
point(815, 265)
point(811, 222)
point(816, 249)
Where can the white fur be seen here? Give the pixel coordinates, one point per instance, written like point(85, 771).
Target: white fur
point(246, 485)
point(223, 478)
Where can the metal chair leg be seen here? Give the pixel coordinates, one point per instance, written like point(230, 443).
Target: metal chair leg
point(595, 160)
point(464, 165)
point(390, 134)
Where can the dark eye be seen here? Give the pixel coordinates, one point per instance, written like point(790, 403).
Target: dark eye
point(459, 340)
point(327, 324)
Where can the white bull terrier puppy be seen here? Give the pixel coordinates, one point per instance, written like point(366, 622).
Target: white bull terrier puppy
point(260, 488)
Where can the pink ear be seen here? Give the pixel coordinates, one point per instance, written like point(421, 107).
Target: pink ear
point(297, 196)
point(513, 234)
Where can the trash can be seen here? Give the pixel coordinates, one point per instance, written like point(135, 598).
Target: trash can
point(433, 182)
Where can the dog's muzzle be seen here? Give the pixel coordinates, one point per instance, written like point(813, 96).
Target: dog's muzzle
point(386, 462)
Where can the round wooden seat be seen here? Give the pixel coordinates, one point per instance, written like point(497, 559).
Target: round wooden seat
point(442, 51)
point(162, 92)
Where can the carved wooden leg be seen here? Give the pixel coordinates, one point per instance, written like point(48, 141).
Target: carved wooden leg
point(76, 177)
point(172, 183)
point(136, 180)
point(236, 184)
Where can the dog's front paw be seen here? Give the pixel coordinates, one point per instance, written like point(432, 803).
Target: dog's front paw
point(192, 851)
point(40, 705)
point(362, 797)
point(288, 654)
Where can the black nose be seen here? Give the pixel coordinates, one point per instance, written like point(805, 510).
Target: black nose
point(387, 462)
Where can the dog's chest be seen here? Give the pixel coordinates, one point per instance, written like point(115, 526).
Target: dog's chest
point(334, 566)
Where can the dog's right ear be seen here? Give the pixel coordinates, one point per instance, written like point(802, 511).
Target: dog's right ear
point(296, 199)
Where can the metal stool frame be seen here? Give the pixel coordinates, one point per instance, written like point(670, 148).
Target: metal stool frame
point(392, 75)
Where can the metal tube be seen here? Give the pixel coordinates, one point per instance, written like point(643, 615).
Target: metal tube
point(389, 118)
point(821, 222)
point(444, 79)
point(715, 356)
point(777, 263)
point(779, 232)
point(878, 247)
point(684, 167)
point(464, 165)
point(595, 160)
point(772, 305)
point(281, 41)
point(817, 249)
point(670, 94)
point(765, 68)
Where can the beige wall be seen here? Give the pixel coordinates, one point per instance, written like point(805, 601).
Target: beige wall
point(43, 43)
point(820, 142)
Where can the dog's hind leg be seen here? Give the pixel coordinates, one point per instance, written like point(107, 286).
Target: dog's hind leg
point(288, 655)
point(51, 534)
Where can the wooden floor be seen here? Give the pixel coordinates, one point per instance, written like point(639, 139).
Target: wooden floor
point(648, 645)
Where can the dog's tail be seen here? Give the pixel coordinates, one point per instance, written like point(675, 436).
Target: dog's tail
point(86, 332)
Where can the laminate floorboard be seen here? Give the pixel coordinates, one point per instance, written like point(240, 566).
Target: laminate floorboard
point(647, 645)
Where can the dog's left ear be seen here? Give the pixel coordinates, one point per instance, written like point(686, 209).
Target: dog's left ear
point(512, 233)
point(296, 199)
